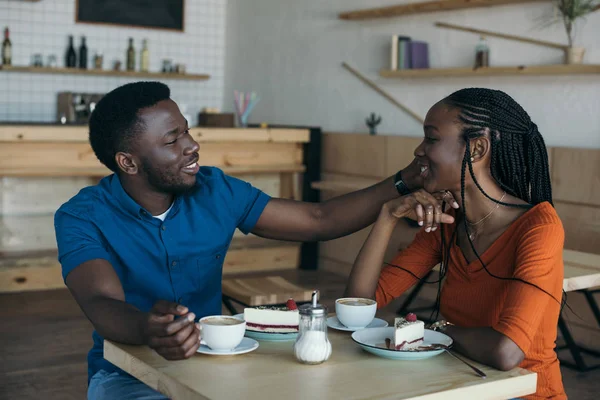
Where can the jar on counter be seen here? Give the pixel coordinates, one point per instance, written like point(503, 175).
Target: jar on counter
point(312, 345)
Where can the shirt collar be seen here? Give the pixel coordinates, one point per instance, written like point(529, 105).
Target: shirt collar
point(131, 206)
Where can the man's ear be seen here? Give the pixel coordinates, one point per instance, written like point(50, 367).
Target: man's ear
point(126, 163)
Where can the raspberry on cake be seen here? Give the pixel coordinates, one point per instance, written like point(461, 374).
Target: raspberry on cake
point(409, 332)
point(273, 319)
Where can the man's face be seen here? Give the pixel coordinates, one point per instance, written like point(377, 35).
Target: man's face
point(166, 150)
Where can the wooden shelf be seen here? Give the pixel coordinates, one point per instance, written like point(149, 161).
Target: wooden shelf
point(424, 7)
point(104, 72)
point(494, 71)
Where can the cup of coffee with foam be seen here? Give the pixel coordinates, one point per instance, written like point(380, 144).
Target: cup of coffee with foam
point(355, 312)
point(222, 332)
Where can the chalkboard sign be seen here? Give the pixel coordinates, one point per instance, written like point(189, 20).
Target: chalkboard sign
point(160, 14)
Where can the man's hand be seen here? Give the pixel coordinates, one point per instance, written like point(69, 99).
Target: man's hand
point(411, 175)
point(171, 337)
point(423, 207)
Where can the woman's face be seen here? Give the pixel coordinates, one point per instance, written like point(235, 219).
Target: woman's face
point(441, 153)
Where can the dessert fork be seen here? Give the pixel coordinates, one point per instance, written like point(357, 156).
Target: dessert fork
point(477, 370)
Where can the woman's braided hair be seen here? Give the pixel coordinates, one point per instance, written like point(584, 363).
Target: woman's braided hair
point(519, 160)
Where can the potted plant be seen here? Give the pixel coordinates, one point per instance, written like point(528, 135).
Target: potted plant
point(569, 12)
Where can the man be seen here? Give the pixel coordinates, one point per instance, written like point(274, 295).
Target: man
point(142, 251)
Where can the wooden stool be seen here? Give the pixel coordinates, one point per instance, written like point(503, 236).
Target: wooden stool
point(263, 291)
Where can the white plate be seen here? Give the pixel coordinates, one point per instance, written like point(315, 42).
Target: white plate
point(268, 336)
point(246, 346)
point(334, 322)
point(373, 341)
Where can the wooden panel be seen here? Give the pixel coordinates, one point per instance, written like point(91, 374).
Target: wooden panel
point(576, 175)
point(582, 227)
point(354, 154)
point(264, 290)
point(30, 274)
point(66, 133)
point(400, 152)
point(279, 257)
point(531, 70)
point(334, 266)
point(342, 183)
point(250, 154)
point(51, 159)
point(424, 7)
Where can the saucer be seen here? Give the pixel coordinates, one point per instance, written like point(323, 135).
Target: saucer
point(373, 341)
point(334, 323)
point(246, 346)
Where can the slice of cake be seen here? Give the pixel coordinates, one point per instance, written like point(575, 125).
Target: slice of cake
point(273, 319)
point(409, 332)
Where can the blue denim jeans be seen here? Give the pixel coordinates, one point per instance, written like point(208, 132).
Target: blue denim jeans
point(118, 385)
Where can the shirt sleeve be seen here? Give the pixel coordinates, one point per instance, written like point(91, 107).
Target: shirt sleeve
point(78, 240)
point(539, 262)
point(246, 202)
point(419, 258)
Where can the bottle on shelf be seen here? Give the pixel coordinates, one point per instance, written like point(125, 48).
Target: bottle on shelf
point(130, 56)
point(6, 48)
point(145, 57)
point(482, 53)
point(71, 57)
point(83, 54)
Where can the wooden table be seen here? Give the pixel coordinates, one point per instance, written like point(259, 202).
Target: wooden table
point(272, 372)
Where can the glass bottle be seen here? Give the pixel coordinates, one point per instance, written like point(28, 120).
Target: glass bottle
point(312, 345)
point(83, 54)
point(482, 53)
point(71, 57)
point(6, 48)
point(130, 56)
point(145, 57)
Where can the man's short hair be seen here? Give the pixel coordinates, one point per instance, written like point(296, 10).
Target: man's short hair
point(114, 123)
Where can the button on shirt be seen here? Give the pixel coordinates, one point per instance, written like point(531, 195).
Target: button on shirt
point(179, 259)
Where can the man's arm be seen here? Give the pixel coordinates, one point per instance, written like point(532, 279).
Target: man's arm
point(98, 291)
point(307, 222)
point(301, 221)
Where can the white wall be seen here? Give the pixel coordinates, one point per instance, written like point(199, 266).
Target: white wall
point(43, 27)
point(291, 52)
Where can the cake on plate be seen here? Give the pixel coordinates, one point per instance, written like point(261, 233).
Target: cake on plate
point(408, 332)
point(273, 319)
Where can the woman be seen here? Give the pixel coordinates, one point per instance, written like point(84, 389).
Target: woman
point(502, 258)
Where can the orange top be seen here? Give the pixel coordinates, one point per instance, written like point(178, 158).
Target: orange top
point(530, 249)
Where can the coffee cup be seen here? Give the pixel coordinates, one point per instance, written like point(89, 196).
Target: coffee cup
point(222, 332)
point(355, 312)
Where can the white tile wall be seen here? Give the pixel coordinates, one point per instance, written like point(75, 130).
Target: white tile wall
point(43, 27)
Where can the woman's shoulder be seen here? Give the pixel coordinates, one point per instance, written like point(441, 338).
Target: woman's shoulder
point(539, 215)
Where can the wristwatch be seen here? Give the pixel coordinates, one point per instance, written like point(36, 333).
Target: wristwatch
point(401, 187)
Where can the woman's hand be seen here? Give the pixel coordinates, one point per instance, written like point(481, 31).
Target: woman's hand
point(423, 207)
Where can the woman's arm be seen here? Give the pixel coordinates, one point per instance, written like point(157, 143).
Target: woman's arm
point(365, 274)
point(367, 266)
point(486, 346)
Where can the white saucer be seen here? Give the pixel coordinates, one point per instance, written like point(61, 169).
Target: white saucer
point(334, 323)
point(246, 346)
point(373, 341)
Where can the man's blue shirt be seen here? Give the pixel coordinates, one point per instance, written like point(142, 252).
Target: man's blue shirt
point(179, 260)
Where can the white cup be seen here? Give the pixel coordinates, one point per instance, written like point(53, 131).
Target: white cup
point(355, 312)
point(222, 332)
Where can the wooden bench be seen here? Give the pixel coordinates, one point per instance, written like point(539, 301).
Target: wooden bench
point(262, 291)
point(581, 274)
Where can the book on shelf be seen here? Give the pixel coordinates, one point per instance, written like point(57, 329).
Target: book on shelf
point(400, 52)
point(419, 55)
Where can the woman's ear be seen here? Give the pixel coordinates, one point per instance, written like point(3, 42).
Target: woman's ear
point(480, 146)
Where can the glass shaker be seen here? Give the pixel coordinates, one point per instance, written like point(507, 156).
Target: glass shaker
point(312, 345)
